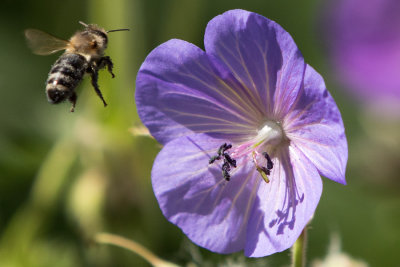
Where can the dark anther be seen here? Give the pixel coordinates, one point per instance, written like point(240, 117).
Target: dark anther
point(224, 148)
point(220, 153)
point(221, 149)
point(265, 170)
point(226, 166)
point(270, 164)
point(227, 176)
point(225, 171)
point(228, 160)
point(231, 161)
point(214, 158)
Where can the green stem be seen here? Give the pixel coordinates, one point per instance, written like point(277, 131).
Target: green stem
point(299, 250)
point(119, 241)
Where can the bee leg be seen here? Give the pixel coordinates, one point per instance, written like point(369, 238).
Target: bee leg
point(94, 75)
point(106, 61)
point(72, 99)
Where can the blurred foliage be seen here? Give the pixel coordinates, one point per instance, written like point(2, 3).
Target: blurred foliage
point(66, 176)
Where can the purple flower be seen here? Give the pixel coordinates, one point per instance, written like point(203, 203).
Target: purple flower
point(247, 127)
point(364, 40)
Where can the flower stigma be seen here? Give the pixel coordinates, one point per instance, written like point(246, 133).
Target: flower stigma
point(271, 133)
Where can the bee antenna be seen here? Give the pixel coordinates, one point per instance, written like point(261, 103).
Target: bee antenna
point(117, 30)
point(84, 24)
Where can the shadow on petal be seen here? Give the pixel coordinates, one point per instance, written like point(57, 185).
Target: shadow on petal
point(211, 211)
point(286, 216)
point(288, 203)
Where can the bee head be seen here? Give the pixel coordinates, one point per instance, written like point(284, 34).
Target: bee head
point(92, 41)
point(55, 96)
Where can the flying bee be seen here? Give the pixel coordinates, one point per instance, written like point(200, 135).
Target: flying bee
point(84, 53)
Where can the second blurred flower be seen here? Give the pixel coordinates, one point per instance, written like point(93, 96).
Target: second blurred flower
point(364, 40)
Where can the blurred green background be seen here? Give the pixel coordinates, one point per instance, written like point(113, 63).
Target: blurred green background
point(66, 176)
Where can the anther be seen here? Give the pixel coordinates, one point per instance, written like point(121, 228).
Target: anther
point(226, 175)
point(231, 161)
point(214, 158)
point(221, 153)
point(224, 148)
point(270, 164)
point(225, 171)
point(264, 172)
point(228, 160)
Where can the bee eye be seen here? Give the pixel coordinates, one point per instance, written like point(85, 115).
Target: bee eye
point(93, 44)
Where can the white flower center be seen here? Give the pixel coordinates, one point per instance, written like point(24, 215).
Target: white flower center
point(271, 133)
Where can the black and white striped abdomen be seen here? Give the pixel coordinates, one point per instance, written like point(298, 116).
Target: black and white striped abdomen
point(64, 76)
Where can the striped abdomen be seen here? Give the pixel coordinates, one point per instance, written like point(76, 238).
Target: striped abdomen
point(64, 76)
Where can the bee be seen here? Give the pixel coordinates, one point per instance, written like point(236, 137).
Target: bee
point(84, 54)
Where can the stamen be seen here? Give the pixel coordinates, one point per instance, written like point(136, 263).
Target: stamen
point(214, 158)
point(223, 148)
point(264, 172)
point(228, 160)
point(267, 172)
point(225, 171)
point(270, 164)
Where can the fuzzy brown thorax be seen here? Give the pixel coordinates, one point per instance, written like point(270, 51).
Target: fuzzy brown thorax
point(90, 43)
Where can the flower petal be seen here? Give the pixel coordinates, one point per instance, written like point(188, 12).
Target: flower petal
point(261, 55)
point(181, 90)
point(193, 194)
point(315, 126)
point(287, 204)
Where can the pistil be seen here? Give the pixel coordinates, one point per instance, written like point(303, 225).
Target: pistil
point(270, 133)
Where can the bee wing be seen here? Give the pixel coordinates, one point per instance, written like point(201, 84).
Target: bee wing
point(43, 43)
